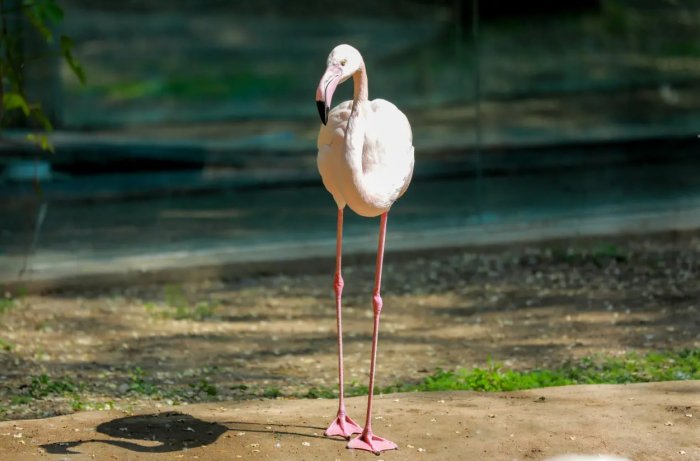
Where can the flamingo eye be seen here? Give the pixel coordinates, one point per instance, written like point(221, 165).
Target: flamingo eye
point(343, 62)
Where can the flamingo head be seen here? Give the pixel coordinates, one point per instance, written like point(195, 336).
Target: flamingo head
point(342, 63)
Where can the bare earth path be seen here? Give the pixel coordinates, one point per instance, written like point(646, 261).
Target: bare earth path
point(211, 349)
point(641, 421)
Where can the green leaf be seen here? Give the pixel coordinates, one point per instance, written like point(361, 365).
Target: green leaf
point(67, 51)
point(41, 140)
point(38, 23)
point(12, 101)
point(51, 11)
point(38, 115)
point(42, 14)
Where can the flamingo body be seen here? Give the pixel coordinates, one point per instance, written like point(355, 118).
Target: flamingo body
point(386, 163)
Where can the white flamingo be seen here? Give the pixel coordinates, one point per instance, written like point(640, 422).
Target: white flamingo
point(365, 157)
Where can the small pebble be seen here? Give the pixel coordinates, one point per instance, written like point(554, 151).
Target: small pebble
point(306, 444)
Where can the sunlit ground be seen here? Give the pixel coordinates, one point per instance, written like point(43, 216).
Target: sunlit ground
point(274, 335)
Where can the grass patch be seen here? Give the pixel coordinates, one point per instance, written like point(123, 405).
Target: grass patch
point(600, 254)
point(631, 368)
point(6, 304)
point(140, 384)
point(6, 345)
point(177, 306)
point(44, 386)
point(203, 386)
point(9, 301)
point(272, 393)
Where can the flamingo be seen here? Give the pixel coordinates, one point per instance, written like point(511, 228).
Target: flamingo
point(365, 157)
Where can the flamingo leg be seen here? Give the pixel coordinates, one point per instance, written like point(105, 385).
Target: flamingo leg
point(367, 440)
point(342, 425)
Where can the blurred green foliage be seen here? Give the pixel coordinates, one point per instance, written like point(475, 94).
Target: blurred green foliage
point(43, 16)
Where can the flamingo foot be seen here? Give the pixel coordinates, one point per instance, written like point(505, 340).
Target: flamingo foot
point(343, 426)
point(370, 442)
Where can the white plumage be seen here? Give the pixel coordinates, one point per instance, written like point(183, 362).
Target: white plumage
point(375, 171)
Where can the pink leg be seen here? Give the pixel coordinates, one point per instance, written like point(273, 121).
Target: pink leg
point(367, 440)
point(343, 425)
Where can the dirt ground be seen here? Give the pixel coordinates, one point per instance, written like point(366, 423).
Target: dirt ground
point(266, 335)
point(144, 348)
point(639, 421)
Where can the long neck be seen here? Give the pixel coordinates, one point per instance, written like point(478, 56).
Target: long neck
point(361, 85)
point(355, 133)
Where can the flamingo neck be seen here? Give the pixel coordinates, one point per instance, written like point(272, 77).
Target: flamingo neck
point(356, 128)
point(359, 79)
point(355, 133)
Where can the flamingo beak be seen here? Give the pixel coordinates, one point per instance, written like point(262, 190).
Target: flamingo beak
point(324, 92)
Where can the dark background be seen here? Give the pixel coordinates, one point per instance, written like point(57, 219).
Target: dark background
point(197, 125)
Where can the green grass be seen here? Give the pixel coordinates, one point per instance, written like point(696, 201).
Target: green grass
point(272, 393)
point(6, 345)
point(177, 306)
point(600, 254)
point(43, 386)
point(140, 384)
point(631, 368)
point(203, 386)
point(6, 304)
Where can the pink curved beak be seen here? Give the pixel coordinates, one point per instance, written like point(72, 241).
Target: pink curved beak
point(324, 92)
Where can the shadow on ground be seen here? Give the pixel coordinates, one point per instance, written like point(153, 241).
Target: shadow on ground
point(171, 431)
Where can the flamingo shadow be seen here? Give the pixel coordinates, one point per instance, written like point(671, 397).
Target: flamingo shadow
point(173, 431)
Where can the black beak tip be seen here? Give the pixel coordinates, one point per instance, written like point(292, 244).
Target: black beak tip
point(323, 111)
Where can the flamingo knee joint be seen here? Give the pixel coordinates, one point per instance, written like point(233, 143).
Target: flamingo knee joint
point(377, 303)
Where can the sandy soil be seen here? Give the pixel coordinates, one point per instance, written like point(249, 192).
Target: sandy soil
point(656, 421)
point(145, 348)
